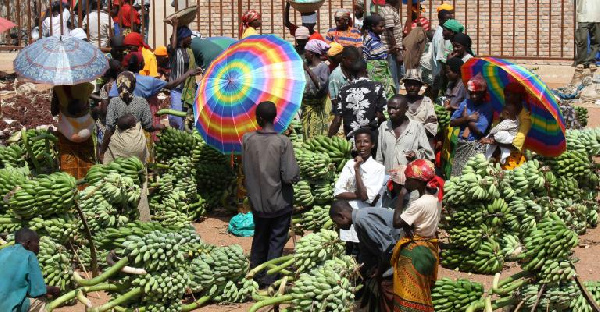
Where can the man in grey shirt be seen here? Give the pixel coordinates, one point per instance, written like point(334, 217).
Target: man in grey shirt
point(377, 236)
point(270, 168)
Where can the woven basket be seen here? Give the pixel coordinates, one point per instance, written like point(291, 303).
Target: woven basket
point(307, 7)
point(186, 16)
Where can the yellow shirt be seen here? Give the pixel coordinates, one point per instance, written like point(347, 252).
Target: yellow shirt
point(250, 31)
point(524, 127)
point(150, 63)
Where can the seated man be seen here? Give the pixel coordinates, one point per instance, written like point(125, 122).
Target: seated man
point(22, 277)
point(377, 236)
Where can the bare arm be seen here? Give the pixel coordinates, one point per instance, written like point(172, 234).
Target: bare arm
point(398, 223)
point(175, 23)
point(182, 78)
point(335, 126)
point(286, 15)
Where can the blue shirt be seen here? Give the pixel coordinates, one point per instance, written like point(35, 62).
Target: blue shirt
point(486, 113)
point(145, 87)
point(20, 277)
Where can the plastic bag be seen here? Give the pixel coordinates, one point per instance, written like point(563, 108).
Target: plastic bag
point(242, 225)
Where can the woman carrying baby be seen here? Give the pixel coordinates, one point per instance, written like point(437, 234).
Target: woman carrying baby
point(507, 138)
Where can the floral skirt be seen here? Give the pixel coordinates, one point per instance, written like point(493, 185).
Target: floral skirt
point(314, 117)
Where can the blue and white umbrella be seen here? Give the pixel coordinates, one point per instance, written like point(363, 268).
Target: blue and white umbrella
point(60, 60)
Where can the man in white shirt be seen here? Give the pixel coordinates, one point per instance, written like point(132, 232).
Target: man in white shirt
point(51, 26)
point(360, 182)
point(99, 34)
point(588, 25)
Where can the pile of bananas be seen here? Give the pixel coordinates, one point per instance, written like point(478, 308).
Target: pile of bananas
point(314, 165)
point(172, 210)
point(155, 251)
point(12, 156)
point(329, 287)
point(487, 259)
point(9, 179)
point(45, 195)
point(55, 263)
point(295, 133)
point(557, 271)
point(323, 192)
point(582, 115)
point(443, 116)
point(584, 140)
point(511, 246)
point(130, 167)
point(338, 149)
point(41, 149)
point(570, 164)
point(552, 240)
point(173, 143)
point(450, 296)
point(314, 249)
point(163, 285)
point(558, 297)
point(302, 194)
point(314, 219)
point(61, 228)
point(236, 291)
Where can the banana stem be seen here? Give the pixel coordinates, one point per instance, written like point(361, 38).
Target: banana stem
point(88, 236)
point(83, 299)
point(264, 265)
point(270, 301)
point(510, 288)
point(280, 267)
point(36, 164)
point(503, 302)
point(73, 293)
point(102, 277)
point(476, 306)
point(195, 305)
point(512, 278)
point(171, 112)
point(488, 304)
point(119, 300)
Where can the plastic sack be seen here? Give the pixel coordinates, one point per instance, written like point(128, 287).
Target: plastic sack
point(242, 225)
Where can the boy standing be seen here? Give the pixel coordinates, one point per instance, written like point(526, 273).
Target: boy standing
point(270, 168)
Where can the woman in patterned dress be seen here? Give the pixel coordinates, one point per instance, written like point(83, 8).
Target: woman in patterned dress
point(314, 114)
point(376, 53)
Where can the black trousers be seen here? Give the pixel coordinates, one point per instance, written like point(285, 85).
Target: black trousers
point(581, 39)
point(270, 236)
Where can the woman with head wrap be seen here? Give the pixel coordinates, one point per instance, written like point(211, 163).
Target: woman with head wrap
point(182, 59)
point(376, 53)
point(250, 23)
point(415, 258)
point(343, 33)
point(515, 104)
point(461, 44)
point(127, 141)
point(472, 120)
point(302, 37)
point(314, 113)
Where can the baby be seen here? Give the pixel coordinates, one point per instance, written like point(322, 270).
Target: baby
point(501, 136)
point(126, 122)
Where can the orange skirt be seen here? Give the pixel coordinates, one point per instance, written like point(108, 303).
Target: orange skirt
point(75, 158)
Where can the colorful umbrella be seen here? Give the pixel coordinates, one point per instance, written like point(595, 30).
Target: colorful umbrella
point(60, 60)
point(6, 24)
point(253, 70)
point(547, 134)
point(206, 50)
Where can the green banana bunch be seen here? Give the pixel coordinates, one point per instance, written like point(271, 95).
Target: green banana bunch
point(9, 224)
point(323, 192)
point(236, 292)
point(585, 140)
point(314, 249)
point(328, 287)
point(551, 240)
point(566, 187)
point(467, 237)
point(582, 115)
point(338, 149)
point(314, 219)
point(443, 116)
point(46, 195)
point(42, 148)
point(164, 285)
point(570, 164)
point(173, 211)
point(511, 246)
point(572, 213)
point(226, 263)
point(55, 263)
point(449, 295)
point(12, 156)
point(479, 165)
point(115, 238)
point(556, 271)
point(295, 133)
point(581, 304)
point(557, 297)
point(302, 194)
point(470, 187)
point(9, 179)
point(130, 167)
point(487, 259)
point(60, 228)
point(201, 276)
point(154, 305)
point(592, 216)
point(173, 143)
point(314, 165)
point(155, 251)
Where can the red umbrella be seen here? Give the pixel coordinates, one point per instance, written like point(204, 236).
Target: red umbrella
point(6, 24)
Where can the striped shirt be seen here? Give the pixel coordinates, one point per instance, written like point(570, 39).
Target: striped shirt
point(391, 20)
point(423, 21)
point(348, 37)
point(373, 47)
point(180, 63)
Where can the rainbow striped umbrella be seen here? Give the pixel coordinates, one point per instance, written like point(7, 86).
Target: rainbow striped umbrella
point(547, 134)
point(253, 70)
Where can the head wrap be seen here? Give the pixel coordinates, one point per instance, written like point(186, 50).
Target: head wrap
point(309, 18)
point(455, 64)
point(477, 84)
point(445, 6)
point(126, 85)
point(515, 87)
point(302, 33)
point(78, 33)
point(424, 170)
point(454, 25)
point(463, 40)
point(139, 59)
point(342, 13)
point(161, 51)
point(334, 49)
point(317, 46)
point(249, 17)
point(182, 33)
point(136, 40)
